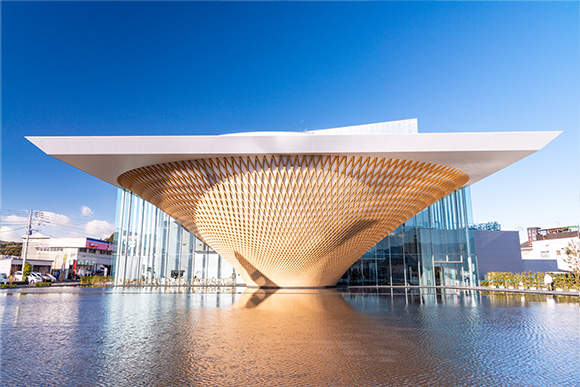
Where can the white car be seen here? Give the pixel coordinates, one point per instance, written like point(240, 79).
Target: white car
point(35, 277)
point(17, 276)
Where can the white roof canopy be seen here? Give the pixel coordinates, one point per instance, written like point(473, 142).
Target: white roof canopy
point(477, 154)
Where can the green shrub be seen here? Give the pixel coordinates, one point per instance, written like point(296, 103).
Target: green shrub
point(492, 278)
point(576, 281)
point(7, 286)
point(565, 281)
point(41, 284)
point(95, 280)
point(528, 280)
point(539, 280)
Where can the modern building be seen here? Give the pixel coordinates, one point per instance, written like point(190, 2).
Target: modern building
point(71, 256)
point(497, 251)
point(434, 247)
point(288, 209)
point(545, 249)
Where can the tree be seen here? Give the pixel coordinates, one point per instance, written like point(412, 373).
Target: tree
point(26, 272)
point(111, 238)
point(572, 252)
point(11, 248)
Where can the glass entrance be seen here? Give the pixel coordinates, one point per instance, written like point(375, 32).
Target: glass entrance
point(448, 273)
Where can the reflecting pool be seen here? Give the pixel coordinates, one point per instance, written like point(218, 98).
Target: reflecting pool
point(194, 336)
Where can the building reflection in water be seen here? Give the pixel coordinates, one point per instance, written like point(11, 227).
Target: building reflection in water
point(296, 337)
point(207, 337)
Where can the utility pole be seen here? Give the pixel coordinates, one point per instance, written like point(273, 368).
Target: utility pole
point(28, 232)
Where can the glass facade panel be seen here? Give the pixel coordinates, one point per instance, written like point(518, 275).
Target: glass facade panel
point(383, 262)
point(154, 249)
point(433, 248)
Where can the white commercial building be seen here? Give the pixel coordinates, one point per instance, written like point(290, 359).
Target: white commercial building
point(71, 256)
point(546, 248)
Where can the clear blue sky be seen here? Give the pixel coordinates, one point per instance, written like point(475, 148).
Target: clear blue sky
point(130, 68)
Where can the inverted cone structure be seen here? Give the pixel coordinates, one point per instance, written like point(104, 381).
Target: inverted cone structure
point(295, 220)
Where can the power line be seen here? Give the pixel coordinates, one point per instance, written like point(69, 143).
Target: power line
point(56, 222)
point(13, 229)
point(4, 210)
point(48, 214)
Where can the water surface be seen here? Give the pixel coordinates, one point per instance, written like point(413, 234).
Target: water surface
point(190, 336)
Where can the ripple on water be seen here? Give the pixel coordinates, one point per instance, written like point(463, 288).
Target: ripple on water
point(156, 337)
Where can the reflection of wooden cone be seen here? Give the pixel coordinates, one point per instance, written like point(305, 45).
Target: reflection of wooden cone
point(293, 300)
point(294, 337)
point(285, 221)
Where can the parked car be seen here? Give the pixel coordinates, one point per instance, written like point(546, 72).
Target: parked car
point(48, 277)
point(17, 276)
point(35, 277)
point(3, 278)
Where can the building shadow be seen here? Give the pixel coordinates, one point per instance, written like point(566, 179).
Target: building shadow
point(256, 275)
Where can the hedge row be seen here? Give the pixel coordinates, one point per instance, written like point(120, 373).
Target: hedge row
point(95, 280)
point(566, 281)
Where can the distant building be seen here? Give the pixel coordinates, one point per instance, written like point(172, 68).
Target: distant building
point(500, 251)
point(11, 264)
point(545, 248)
point(497, 251)
point(71, 256)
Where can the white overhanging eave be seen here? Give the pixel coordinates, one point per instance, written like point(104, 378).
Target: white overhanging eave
point(477, 154)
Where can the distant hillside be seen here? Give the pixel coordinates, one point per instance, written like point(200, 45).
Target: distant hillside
point(10, 248)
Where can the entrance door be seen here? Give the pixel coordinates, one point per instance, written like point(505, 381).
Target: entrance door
point(447, 273)
point(438, 276)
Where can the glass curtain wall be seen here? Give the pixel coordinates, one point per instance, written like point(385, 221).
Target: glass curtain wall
point(153, 249)
point(434, 248)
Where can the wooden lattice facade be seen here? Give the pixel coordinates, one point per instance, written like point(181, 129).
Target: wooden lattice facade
point(298, 220)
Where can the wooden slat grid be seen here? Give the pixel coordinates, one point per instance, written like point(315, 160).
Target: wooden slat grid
point(292, 220)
